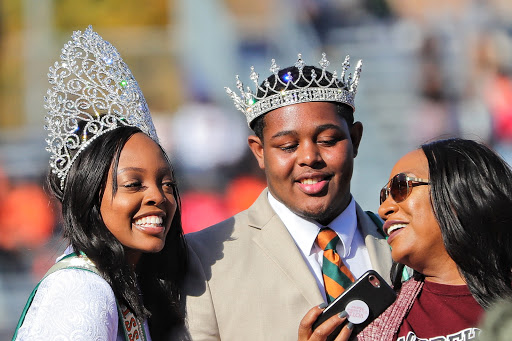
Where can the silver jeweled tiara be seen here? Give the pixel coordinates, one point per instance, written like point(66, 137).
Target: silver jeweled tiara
point(92, 92)
point(286, 91)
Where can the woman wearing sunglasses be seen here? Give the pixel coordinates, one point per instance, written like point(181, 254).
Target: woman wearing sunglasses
point(448, 214)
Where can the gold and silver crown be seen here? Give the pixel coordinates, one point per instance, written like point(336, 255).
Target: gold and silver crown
point(284, 89)
point(92, 92)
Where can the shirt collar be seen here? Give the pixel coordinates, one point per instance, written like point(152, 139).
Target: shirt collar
point(345, 226)
point(304, 231)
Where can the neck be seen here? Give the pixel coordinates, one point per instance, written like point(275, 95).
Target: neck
point(450, 280)
point(447, 273)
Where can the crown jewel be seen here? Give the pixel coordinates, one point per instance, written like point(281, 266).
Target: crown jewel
point(285, 90)
point(92, 92)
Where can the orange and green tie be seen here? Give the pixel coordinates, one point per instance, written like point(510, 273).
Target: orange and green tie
point(336, 275)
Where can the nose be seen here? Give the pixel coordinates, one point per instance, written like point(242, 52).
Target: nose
point(387, 208)
point(308, 154)
point(154, 196)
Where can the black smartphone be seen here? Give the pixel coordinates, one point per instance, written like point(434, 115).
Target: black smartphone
point(363, 300)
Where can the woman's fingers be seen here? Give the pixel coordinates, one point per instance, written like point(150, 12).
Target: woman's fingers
point(305, 326)
point(345, 332)
point(323, 330)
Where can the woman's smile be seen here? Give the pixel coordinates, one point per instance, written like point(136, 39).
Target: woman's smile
point(152, 224)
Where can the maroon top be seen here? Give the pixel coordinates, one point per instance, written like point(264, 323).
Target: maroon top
point(440, 311)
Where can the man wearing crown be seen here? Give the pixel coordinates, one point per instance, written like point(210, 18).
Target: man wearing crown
point(256, 275)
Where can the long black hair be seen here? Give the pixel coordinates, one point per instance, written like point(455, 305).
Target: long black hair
point(158, 275)
point(471, 196)
point(344, 110)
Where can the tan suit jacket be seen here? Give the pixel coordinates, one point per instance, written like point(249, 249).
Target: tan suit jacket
point(249, 281)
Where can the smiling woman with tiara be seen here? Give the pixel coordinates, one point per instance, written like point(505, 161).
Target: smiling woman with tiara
point(119, 278)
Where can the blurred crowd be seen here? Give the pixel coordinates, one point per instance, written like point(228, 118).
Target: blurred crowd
point(457, 57)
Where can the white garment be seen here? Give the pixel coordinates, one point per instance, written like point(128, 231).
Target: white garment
point(352, 248)
point(73, 304)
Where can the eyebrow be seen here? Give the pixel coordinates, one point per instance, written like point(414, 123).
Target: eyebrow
point(318, 129)
point(283, 133)
point(142, 170)
point(126, 169)
point(323, 127)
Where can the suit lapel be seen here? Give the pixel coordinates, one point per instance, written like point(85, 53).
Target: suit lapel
point(277, 243)
point(377, 246)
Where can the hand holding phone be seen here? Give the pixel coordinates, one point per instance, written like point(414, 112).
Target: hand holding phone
point(364, 300)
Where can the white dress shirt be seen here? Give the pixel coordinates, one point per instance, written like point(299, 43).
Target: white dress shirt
point(304, 232)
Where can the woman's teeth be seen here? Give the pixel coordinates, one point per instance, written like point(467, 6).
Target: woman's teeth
point(149, 221)
point(309, 181)
point(395, 227)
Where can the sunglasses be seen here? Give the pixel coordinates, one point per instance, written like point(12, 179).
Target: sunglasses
point(400, 186)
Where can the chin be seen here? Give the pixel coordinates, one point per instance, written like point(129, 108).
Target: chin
point(323, 212)
point(155, 248)
point(316, 215)
point(399, 256)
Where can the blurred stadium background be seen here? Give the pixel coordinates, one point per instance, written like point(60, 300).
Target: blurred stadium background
point(431, 69)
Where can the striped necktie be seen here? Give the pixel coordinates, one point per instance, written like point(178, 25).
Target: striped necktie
point(336, 275)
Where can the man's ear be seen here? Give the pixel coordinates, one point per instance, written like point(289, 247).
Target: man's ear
point(356, 133)
point(256, 146)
